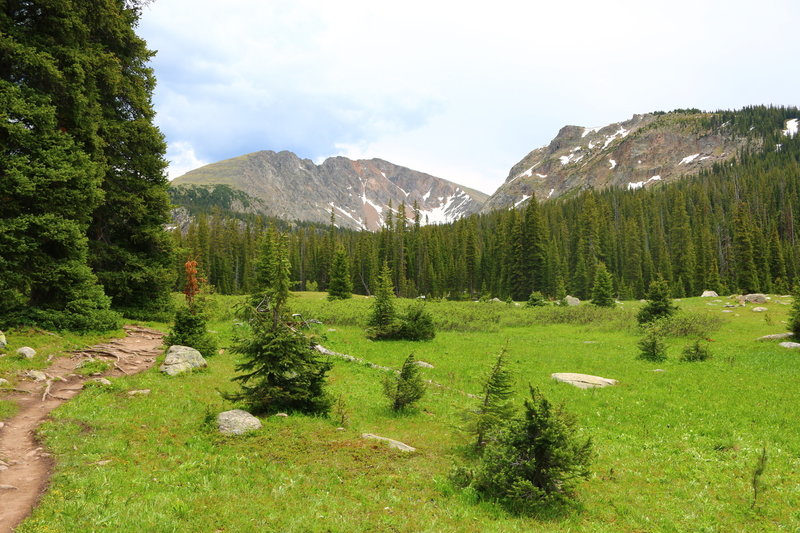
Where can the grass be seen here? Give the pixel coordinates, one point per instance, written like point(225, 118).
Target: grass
point(675, 450)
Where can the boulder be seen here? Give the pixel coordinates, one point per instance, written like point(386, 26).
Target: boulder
point(759, 309)
point(27, 352)
point(3, 382)
point(3, 342)
point(102, 381)
point(791, 345)
point(495, 300)
point(709, 294)
point(423, 364)
point(182, 359)
point(572, 301)
point(140, 392)
point(776, 336)
point(756, 298)
point(396, 444)
point(237, 422)
point(583, 381)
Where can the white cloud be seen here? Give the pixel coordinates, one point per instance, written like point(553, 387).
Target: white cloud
point(182, 158)
point(462, 90)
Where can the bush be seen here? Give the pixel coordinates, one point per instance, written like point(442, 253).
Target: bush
point(535, 300)
point(651, 346)
point(416, 324)
point(659, 304)
point(695, 352)
point(405, 388)
point(794, 314)
point(687, 325)
point(189, 329)
point(535, 461)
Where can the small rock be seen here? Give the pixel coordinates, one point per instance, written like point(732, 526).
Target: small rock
point(658, 370)
point(423, 364)
point(3, 468)
point(2, 425)
point(103, 462)
point(790, 345)
point(8, 487)
point(727, 311)
point(755, 298)
point(396, 444)
point(27, 352)
point(102, 381)
point(141, 392)
point(182, 359)
point(282, 415)
point(3, 342)
point(37, 375)
point(776, 336)
point(3, 382)
point(237, 422)
point(572, 301)
point(583, 381)
point(495, 300)
point(709, 294)
point(759, 309)
point(340, 429)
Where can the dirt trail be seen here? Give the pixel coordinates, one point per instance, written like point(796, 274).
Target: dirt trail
point(25, 466)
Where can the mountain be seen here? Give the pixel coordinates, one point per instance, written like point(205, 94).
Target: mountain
point(641, 152)
point(359, 192)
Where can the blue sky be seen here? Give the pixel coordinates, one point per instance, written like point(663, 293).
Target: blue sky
point(460, 90)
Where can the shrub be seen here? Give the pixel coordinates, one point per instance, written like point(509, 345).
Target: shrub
point(495, 405)
point(416, 324)
point(651, 346)
point(535, 300)
point(695, 352)
point(405, 388)
point(794, 314)
point(189, 329)
point(659, 304)
point(687, 325)
point(535, 460)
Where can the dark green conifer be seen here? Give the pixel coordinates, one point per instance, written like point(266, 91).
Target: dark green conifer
point(658, 305)
point(340, 286)
point(603, 288)
point(405, 388)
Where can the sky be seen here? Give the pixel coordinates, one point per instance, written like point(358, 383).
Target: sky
point(461, 90)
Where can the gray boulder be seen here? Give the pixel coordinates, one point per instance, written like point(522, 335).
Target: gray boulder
point(3, 342)
point(759, 309)
point(237, 422)
point(396, 444)
point(423, 364)
point(709, 294)
point(3, 382)
point(790, 345)
point(583, 381)
point(37, 375)
point(27, 352)
point(572, 301)
point(182, 359)
point(776, 336)
point(756, 298)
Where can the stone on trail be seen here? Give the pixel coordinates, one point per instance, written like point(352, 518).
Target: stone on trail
point(396, 444)
point(8, 487)
point(572, 301)
point(583, 381)
point(756, 298)
point(790, 345)
point(27, 352)
point(237, 422)
point(759, 309)
point(181, 359)
point(37, 375)
point(709, 294)
point(776, 336)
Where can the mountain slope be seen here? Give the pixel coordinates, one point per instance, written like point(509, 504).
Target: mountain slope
point(359, 192)
point(640, 152)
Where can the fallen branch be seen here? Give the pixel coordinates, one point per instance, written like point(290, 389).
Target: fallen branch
point(47, 389)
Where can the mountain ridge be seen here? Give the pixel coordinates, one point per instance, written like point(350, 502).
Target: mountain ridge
point(358, 191)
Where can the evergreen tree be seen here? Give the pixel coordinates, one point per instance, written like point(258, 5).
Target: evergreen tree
point(406, 387)
point(603, 288)
point(536, 460)
point(651, 346)
point(794, 314)
point(495, 407)
point(49, 189)
point(382, 322)
point(340, 286)
point(744, 261)
point(189, 328)
point(658, 305)
point(280, 371)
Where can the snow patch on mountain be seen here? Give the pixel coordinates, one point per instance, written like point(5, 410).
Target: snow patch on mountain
point(524, 197)
point(639, 184)
point(688, 159)
point(791, 127)
point(613, 164)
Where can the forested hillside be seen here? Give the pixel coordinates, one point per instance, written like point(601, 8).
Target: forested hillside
point(730, 228)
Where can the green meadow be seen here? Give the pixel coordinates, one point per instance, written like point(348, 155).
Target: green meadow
point(675, 443)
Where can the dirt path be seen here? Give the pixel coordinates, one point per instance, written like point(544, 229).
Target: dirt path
point(25, 466)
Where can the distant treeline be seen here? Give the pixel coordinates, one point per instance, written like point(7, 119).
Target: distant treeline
point(730, 229)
